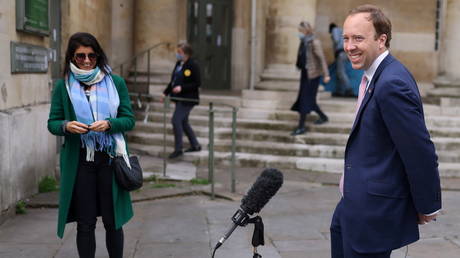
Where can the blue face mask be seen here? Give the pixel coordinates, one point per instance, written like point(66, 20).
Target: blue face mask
point(179, 57)
point(301, 35)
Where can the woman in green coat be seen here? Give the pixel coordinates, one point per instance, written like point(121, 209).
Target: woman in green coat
point(91, 109)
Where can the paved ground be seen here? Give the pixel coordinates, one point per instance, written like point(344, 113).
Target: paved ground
point(296, 224)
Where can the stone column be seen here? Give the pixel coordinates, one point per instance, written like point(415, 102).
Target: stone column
point(449, 56)
point(122, 31)
point(159, 21)
point(283, 17)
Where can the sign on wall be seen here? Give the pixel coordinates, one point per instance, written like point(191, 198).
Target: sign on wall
point(27, 58)
point(33, 16)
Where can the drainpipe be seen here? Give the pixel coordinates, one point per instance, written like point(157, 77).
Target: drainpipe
point(253, 45)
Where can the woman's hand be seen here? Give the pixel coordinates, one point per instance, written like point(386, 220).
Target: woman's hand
point(76, 127)
point(100, 126)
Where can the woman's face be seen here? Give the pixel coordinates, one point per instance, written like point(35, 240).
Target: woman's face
point(85, 58)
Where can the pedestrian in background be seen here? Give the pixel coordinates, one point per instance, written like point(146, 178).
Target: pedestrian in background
point(91, 108)
point(343, 87)
point(312, 64)
point(185, 84)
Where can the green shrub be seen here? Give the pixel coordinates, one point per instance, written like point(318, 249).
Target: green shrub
point(47, 184)
point(199, 181)
point(163, 185)
point(21, 207)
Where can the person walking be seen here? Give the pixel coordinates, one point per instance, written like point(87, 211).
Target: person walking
point(91, 108)
point(390, 183)
point(312, 64)
point(343, 87)
point(185, 84)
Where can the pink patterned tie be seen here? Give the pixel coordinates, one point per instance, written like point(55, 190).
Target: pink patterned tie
point(362, 90)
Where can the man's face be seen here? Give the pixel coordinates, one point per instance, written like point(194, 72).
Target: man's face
point(359, 41)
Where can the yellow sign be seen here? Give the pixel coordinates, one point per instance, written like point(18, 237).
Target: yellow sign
point(187, 73)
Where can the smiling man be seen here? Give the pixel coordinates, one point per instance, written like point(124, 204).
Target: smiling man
point(390, 183)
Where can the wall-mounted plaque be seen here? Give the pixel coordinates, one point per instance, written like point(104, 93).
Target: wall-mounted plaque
point(33, 16)
point(27, 58)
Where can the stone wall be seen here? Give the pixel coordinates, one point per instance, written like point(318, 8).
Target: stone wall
point(27, 150)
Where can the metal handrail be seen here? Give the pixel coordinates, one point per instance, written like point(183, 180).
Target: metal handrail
point(135, 57)
point(211, 112)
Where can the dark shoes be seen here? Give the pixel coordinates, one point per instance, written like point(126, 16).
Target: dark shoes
point(175, 154)
point(298, 131)
point(193, 149)
point(321, 120)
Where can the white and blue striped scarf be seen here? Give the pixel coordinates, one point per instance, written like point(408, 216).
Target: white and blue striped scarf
point(103, 104)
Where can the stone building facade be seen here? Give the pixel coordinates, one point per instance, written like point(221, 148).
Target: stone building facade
point(252, 38)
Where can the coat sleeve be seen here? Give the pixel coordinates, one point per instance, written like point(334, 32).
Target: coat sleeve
point(402, 113)
point(125, 120)
point(168, 88)
point(57, 116)
point(318, 50)
point(195, 80)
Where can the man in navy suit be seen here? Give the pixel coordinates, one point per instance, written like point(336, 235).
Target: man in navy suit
point(391, 180)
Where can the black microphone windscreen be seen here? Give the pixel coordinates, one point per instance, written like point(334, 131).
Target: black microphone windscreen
point(265, 187)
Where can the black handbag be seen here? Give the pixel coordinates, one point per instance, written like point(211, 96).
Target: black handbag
point(128, 179)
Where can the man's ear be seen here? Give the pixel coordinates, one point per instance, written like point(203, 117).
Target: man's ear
point(382, 40)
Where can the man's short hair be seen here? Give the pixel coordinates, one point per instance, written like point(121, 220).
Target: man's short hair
point(187, 48)
point(382, 24)
point(332, 26)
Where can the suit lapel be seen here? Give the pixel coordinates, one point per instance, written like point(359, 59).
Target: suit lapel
point(370, 90)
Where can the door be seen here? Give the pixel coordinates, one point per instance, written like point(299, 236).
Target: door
point(209, 33)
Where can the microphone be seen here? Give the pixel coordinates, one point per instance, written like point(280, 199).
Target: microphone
point(265, 187)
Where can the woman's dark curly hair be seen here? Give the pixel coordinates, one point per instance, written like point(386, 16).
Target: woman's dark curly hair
point(86, 40)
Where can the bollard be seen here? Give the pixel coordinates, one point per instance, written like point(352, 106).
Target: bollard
point(165, 107)
point(233, 158)
point(211, 149)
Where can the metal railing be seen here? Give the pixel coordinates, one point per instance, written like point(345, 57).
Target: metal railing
point(211, 165)
point(134, 59)
point(211, 135)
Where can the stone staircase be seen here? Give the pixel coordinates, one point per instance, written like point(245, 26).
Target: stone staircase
point(263, 131)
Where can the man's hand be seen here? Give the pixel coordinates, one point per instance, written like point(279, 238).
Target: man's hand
point(100, 126)
point(326, 79)
point(177, 89)
point(76, 127)
point(162, 98)
point(424, 219)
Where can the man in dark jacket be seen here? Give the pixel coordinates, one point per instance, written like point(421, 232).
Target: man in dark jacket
point(185, 84)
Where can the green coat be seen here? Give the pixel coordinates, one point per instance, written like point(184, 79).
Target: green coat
point(62, 110)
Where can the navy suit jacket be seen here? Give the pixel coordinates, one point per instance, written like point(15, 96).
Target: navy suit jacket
point(391, 169)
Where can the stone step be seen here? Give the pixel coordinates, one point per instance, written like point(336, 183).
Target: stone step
point(247, 146)
point(453, 92)
point(322, 165)
point(331, 127)
point(311, 145)
point(437, 125)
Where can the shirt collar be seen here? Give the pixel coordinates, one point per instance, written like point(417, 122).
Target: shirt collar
point(369, 73)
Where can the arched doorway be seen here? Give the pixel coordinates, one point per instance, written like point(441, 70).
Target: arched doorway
point(209, 30)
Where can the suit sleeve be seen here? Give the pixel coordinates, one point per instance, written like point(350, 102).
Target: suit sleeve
point(402, 113)
point(318, 50)
point(56, 116)
point(125, 120)
point(195, 81)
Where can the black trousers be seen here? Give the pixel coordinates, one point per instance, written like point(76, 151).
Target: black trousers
point(180, 124)
point(93, 197)
point(340, 246)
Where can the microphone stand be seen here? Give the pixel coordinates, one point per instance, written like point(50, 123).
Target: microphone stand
point(242, 219)
point(258, 235)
